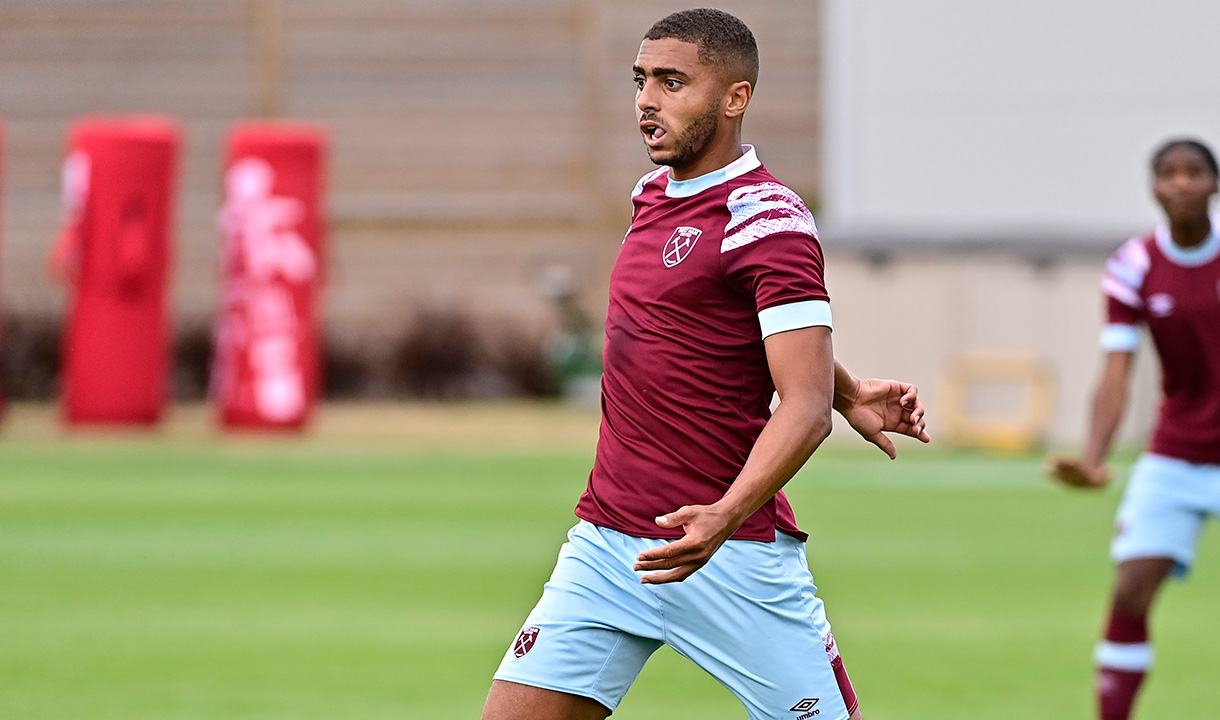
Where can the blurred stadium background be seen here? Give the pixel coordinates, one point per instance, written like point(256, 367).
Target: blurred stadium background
point(971, 165)
point(970, 168)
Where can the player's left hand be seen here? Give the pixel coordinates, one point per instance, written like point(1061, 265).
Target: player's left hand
point(706, 528)
point(882, 406)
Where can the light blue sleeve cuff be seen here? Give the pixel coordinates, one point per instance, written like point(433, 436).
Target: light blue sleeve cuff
point(794, 316)
point(1120, 338)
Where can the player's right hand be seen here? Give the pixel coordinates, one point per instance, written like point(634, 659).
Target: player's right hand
point(706, 527)
point(1076, 474)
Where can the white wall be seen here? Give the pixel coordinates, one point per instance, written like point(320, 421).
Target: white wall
point(1013, 119)
point(1025, 126)
point(912, 317)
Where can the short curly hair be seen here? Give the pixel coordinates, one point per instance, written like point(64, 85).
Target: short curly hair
point(1204, 153)
point(724, 41)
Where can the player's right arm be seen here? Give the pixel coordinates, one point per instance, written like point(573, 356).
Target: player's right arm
point(1109, 405)
point(1121, 285)
point(801, 362)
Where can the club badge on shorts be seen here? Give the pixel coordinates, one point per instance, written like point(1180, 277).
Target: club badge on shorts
point(680, 244)
point(525, 641)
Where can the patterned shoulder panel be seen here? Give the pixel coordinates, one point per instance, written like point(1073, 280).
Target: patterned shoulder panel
point(756, 211)
point(1125, 272)
point(639, 187)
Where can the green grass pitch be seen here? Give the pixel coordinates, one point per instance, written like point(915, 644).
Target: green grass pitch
point(378, 569)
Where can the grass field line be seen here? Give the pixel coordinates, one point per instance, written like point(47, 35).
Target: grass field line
point(507, 426)
point(350, 436)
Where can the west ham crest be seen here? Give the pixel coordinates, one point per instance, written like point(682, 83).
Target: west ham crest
point(680, 244)
point(525, 641)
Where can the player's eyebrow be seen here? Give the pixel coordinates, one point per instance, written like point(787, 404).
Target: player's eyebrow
point(659, 72)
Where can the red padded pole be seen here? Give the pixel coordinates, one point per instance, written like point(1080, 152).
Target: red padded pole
point(266, 367)
point(1, 245)
point(115, 252)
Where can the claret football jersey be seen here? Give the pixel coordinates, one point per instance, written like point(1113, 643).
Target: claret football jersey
point(710, 267)
point(1175, 292)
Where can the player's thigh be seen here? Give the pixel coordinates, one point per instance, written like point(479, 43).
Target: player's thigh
point(752, 619)
point(1163, 510)
point(594, 626)
point(513, 701)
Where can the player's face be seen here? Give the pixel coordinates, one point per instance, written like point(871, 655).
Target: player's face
point(679, 102)
point(1183, 184)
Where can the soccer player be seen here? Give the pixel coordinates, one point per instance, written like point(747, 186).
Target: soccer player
point(1168, 281)
point(685, 538)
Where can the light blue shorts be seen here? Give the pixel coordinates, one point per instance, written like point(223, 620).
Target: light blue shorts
point(750, 617)
point(1164, 508)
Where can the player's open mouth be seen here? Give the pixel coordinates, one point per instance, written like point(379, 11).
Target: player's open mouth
point(653, 133)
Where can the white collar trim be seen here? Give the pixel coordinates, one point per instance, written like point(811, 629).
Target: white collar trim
point(688, 188)
point(1201, 254)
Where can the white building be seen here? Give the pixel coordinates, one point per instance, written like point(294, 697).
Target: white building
point(986, 156)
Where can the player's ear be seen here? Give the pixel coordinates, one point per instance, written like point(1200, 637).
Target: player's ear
point(737, 97)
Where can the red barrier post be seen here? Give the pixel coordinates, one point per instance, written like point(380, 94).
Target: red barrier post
point(115, 253)
point(1, 226)
point(266, 367)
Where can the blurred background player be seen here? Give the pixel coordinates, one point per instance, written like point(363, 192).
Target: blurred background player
point(1168, 281)
point(717, 300)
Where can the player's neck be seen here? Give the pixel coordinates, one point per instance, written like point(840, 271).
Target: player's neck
point(720, 152)
point(1190, 232)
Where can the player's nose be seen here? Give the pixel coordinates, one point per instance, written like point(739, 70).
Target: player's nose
point(648, 100)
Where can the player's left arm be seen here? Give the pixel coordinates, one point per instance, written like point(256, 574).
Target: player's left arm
point(803, 369)
point(873, 407)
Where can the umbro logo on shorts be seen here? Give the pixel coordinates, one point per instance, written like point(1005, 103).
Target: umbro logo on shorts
point(806, 706)
point(525, 641)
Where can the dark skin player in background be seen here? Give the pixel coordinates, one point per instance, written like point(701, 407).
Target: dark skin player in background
point(1184, 183)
